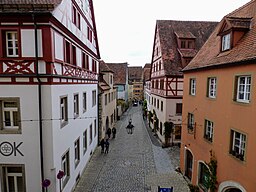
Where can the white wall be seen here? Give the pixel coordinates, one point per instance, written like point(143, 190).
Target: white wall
point(30, 134)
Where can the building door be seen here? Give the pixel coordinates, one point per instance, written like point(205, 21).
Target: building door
point(189, 164)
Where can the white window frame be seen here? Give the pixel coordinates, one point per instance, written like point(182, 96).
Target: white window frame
point(85, 144)
point(243, 89)
point(212, 83)
point(15, 176)
point(208, 130)
point(94, 98)
point(191, 121)
point(239, 142)
point(13, 41)
point(192, 86)
point(64, 110)
point(77, 151)
point(76, 105)
point(11, 111)
point(65, 167)
point(91, 134)
point(84, 101)
point(226, 43)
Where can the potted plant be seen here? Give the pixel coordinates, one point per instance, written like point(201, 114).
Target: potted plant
point(168, 129)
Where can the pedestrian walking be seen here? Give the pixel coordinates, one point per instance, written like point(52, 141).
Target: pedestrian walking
point(102, 144)
point(109, 132)
point(106, 146)
point(114, 132)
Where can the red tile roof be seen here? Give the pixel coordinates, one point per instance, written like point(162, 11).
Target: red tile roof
point(146, 72)
point(135, 73)
point(28, 5)
point(104, 67)
point(120, 71)
point(168, 31)
point(243, 51)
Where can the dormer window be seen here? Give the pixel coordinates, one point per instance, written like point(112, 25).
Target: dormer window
point(225, 42)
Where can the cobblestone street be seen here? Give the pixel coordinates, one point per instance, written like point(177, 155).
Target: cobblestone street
point(135, 162)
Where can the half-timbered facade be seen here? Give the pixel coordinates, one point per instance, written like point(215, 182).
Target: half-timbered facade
point(48, 93)
point(219, 136)
point(175, 44)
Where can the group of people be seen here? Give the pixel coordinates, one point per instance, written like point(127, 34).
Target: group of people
point(105, 143)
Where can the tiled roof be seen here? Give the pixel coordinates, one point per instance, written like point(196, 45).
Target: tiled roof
point(243, 51)
point(104, 86)
point(120, 71)
point(168, 31)
point(146, 72)
point(28, 5)
point(104, 67)
point(135, 73)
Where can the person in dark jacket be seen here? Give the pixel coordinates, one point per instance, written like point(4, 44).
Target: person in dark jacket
point(109, 132)
point(106, 146)
point(114, 132)
point(102, 145)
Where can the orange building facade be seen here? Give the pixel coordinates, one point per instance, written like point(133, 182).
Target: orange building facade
point(219, 107)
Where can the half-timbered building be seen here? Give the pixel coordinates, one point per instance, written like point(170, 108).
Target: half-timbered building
point(48, 93)
point(175, 44)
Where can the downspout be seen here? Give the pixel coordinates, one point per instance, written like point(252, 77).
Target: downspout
point(39, 101)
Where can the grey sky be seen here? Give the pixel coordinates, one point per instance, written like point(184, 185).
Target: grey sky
point(126, 28)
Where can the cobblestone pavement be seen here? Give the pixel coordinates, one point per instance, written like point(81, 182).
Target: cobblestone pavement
point(135, 162)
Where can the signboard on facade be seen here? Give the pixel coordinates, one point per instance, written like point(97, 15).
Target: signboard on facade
point(10, 148)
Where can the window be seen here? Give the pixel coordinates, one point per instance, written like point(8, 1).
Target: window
point(13, 178)
point(11, 44)
point(203, 176)
point(93, 97)
point(111, 79)
point(109, 98)
point(238, 141)
point(192, 87)
point(64, 111)
point(106, 99)
point(178, 108)
point(89, 34)
point(85, 61)
point(225, 42)
point(95, 128)
point(183, 44)
point(162, 105)
point(90, 133)
point(77, 151)
point(243, 89)
point(212, 87)
point(65, 166)
point(76, 105)
point(73, 55)
point(76, 17)
point(162, 84)
point(85, 141)
point(157, 104)
point(84, 101)
point(191, 121)
point(208, 133)
point(9, 114)
point(67, 52)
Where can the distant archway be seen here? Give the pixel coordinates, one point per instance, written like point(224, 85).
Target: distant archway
point(231, 186)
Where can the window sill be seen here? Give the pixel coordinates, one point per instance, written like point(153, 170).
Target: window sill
point(63, 124)
point(10, 131)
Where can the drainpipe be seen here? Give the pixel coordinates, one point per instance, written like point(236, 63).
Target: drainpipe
point(39, 101)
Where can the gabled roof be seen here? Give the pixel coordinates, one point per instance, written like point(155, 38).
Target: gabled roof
point(135, 73)
point(28, 5)
point(170, 30)
point(243, 51)
point(104, 67)
point(120, 72)
point(146, 72)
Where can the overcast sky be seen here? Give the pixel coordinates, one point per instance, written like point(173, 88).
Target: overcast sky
point(125, 28)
